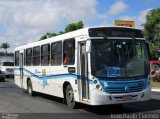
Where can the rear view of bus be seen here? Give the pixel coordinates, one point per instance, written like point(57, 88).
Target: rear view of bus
point(119, 66)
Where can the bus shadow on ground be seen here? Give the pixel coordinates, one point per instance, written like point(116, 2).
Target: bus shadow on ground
point(137, 107)
point(48, 97)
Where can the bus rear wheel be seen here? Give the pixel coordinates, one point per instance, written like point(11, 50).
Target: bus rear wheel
point(70, 97)
point(29, 88)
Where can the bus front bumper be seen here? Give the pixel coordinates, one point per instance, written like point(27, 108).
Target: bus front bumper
point(102, 98)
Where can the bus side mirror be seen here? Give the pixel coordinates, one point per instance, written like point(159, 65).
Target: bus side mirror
point(88, 46)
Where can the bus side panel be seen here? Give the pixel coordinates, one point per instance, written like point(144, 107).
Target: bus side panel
point(25, 81)
point(44, 83)
point(17, 77)
point(52, 82)
point(30, 73)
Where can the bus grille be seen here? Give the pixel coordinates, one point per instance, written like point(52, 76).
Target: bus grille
point(125, 87)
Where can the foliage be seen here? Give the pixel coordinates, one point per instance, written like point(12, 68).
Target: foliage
point(69, 28)
point(49, 35)
point(61, 32)
point(43, 37)
point(152, 31)
point(74, 26)
point(5, 46)
point(154, 52)
point(156, 78)
point(8, 54)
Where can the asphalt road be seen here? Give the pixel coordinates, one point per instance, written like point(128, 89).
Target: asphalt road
point(15, 102)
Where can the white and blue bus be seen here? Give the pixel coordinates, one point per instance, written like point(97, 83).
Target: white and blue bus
point(94, 66)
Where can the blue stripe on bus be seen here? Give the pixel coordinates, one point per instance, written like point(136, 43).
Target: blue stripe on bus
point(111, 83)
point(117, 79)
point(50, 76)
point(41, 77)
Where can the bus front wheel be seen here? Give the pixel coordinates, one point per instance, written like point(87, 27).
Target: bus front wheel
point(70, 97)
point(29, 88)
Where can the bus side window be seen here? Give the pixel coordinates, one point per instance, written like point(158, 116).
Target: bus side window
point(68, 59)
point(29, 57)
point(69, 52)
point(56, 53)
point(36, 56)
point(45, 55)
point(16, 58)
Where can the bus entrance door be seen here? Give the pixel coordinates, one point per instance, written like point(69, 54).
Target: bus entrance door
point(21, 69)
point(84, 70)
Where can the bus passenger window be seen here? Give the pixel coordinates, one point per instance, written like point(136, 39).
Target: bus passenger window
point(45, 55)
point(28, 57)
point(36, 56)
point(67, 59)
point(17, 58)
point(56, 53)
point(69, 52)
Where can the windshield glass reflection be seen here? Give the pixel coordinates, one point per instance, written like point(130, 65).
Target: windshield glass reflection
point(119, 58)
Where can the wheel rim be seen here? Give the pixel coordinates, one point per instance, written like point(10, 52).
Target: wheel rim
point(70, 96)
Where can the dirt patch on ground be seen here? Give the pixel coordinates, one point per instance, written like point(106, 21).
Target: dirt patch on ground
point(155, 84)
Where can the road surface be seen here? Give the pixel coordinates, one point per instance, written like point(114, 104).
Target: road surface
point(15, 102)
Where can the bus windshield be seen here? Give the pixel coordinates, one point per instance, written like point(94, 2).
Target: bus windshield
point(119, 58)
point(8, 64)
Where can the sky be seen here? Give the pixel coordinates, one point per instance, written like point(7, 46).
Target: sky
point(25, 21)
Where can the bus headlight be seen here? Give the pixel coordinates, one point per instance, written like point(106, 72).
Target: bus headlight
point(97, 84)
point(95, 81)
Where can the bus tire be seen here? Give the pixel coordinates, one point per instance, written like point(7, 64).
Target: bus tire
point(70, 97)
point(29, 88)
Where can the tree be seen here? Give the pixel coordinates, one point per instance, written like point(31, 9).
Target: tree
point(152, 31)
point(43, 37)
point(49, 35)
point(74, 26)
point(5, 46)
point(61, 32)
point(68, 28)
point(79, 25)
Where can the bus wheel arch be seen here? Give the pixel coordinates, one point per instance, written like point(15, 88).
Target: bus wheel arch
point(69, 95)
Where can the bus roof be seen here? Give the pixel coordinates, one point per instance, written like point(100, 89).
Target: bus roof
point(80, 32)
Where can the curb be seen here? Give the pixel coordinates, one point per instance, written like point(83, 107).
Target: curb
point(155, 89)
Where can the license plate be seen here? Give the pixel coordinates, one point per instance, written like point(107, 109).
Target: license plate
point(127, 97)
